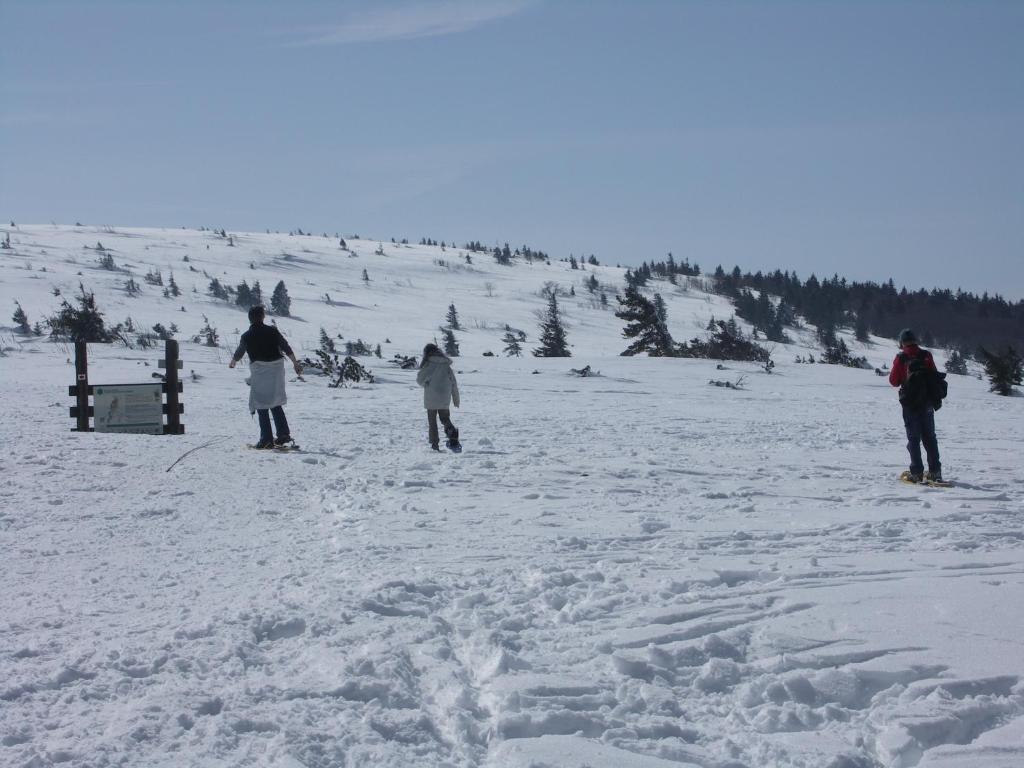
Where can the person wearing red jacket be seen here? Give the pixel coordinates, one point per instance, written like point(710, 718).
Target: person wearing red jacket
point(918, 418)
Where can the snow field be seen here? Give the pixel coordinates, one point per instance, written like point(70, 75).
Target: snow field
point(634, 569)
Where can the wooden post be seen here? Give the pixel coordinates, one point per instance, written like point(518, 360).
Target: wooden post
point(174, 426)
point(82, 386)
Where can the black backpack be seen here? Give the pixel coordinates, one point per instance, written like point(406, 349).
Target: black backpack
point(924, 387)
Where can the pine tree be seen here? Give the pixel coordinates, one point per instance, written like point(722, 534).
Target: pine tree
point(173, 286)
point(243, 295)
point(645, 324)
point(512, 346)
point(451, 346)
point(1003, 370)
point(84, 323)
point(21, 319)
point(552, 334)
point(366, 277)
point(162, 333)
point(861, 330)
point(453, 318)
point(326, 342)
point(956, 363)
point(280, 302)
point(217, 290)
point(207, 334)
point(257, 293)
point(131, 287)
point(660, 309)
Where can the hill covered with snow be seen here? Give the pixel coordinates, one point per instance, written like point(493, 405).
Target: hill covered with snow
point(370, 290)
point(629, 569)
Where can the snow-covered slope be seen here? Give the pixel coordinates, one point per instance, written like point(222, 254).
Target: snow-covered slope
point(633, 569)
point(405, 300)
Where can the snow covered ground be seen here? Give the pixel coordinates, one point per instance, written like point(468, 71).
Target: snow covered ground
point(632, 569)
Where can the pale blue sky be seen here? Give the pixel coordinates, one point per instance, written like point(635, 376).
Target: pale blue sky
point(872, 139)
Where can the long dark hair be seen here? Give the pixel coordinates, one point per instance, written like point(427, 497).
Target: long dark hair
point(430, 349)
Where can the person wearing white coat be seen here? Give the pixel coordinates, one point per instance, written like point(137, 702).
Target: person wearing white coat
point(440, 390)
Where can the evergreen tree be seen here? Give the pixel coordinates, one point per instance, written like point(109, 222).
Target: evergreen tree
point(207, 334)
point(326, 342)
point(861, 331)
point(1003, 370)
point(280, 302)
point(173, 286)
point(217, 290)
point(725, 342)
point(645, 324)
point(452, 318)
point(512, 346)
point(451, 346)
point(366, 276)
point(162, 333)
point(257, 293)
point(661, 309)
point(21, 319)
point(956, 363)
point(131, 287)
point(552, 334)
point(84, 323)
point(243, 295)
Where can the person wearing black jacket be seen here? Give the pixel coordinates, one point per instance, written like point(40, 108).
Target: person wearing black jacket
point(266, 348)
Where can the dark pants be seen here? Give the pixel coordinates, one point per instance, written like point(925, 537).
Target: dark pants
point(446, 418)
point(920, 426)
point(280, 423)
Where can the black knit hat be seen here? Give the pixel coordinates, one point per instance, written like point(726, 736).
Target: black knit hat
point(907, 336)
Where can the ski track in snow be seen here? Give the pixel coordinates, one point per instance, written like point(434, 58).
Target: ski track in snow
point(631, 570)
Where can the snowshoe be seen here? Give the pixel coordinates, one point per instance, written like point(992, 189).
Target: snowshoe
point(935, 480)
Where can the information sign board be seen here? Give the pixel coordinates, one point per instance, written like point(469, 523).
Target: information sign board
point(136, 408)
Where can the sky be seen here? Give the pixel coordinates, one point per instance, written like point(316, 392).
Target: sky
point(869, 139)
